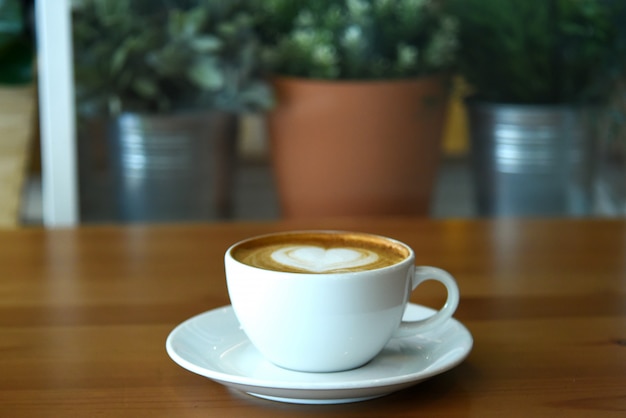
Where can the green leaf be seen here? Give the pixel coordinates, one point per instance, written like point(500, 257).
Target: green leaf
point(257, 96)
point(206, 43)
point(119, 57)
point(205, 73)
point(145, 87)
point(186, 23)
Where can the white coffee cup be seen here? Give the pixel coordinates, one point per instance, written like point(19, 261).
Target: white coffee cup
point(330, 308)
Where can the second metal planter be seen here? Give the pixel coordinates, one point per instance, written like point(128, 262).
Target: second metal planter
point(531, 160)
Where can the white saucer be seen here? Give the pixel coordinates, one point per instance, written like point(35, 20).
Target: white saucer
point(213, 345)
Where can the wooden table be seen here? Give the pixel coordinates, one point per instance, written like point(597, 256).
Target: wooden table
point(84, 315)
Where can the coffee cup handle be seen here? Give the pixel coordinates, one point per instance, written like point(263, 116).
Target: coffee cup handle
point(420, 275)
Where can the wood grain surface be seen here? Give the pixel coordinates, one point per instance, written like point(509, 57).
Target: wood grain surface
point(84, 314)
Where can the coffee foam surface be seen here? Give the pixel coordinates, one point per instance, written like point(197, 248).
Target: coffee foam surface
point(319, 252)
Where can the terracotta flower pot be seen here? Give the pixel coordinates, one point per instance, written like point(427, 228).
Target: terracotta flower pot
point(357, 148)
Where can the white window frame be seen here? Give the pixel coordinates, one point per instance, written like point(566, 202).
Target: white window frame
point(57, 116)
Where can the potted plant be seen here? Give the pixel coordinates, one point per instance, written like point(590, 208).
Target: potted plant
point(361, 95)
point(170, 80)
point(16, 43)
point(537, 70)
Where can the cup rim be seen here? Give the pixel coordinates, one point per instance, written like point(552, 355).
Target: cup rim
point(410, 256)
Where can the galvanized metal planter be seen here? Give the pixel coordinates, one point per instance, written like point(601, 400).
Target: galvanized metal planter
point(167, 168)
point(531, 160)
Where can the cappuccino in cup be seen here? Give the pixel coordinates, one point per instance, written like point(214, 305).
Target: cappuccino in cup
point(326, 301)
point(320, 252)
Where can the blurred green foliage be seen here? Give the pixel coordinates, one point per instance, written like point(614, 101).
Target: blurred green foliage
point(540, 51)
point(356, 39)
point(16, 45)
point(158, 56)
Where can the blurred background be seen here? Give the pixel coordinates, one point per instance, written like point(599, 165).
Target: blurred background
point(206, 110)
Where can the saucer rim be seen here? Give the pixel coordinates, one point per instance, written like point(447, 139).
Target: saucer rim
point(390, 382)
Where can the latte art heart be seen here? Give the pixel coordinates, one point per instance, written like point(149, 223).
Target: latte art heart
point(320, 260)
